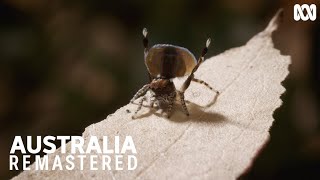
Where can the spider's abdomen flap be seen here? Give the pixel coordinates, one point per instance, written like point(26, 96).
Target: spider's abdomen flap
point(169, 61)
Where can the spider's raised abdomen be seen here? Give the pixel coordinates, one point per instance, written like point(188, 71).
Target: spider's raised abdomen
point(169, 61)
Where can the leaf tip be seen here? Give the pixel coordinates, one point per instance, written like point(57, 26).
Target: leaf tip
point(275, 21)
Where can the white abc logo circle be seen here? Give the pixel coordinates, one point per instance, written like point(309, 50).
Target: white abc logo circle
point(298, 12)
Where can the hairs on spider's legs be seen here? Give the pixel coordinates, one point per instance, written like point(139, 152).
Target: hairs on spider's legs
point(183, 103)
point(204, 83)
point(139, 107)
point(141, 92)
point(170, 105)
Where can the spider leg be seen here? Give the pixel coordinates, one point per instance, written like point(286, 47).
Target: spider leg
point(141, 92)
point(139, 107)
point(170, 105)
point(204, 83)
point(183, 103)
point(146, 46)
point(186, 84)
point(152, 100)
point(145, 40)
point(140, 104)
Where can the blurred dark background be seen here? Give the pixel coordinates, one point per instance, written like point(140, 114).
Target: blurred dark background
point(67, 64)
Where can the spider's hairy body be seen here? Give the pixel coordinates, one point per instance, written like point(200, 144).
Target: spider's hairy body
point(164, 93)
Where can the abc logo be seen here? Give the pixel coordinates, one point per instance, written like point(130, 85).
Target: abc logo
point(305, 12)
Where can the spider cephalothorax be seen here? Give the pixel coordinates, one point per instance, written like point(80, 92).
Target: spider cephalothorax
point(164, 62)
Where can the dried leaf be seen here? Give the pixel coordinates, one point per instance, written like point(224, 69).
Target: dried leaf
point(215, 142)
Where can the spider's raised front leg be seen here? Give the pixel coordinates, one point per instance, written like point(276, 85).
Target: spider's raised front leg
point(191, 77)
point(186, 84)
point(145, 42)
